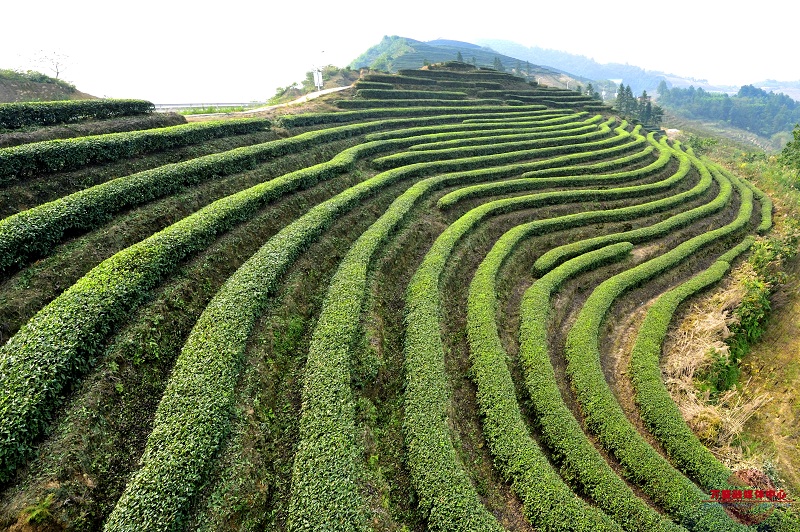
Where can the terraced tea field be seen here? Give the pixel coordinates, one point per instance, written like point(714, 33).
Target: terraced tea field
point(438, 308)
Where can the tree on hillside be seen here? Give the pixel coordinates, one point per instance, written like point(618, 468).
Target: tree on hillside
point(644, 108)
point(459, 57)
point(662, 90)
point(52, 61)
point(641, 108)
point(498, 65)
point(620, 96)
point(656, 115)
point(764, 113)
point(749, 91)
point(790, 156)
point(591, 93)
point(626, 103)
point(528, 68)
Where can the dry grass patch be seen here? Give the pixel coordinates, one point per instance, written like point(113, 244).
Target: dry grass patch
point(688, 351)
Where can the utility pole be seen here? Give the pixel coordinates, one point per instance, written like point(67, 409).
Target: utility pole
point(318, 75)
point(318, 78)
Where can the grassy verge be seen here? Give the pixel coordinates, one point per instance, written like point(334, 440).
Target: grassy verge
point(767, 437)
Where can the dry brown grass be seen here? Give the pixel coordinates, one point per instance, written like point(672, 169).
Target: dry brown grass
point(688, 350)
point(771, 437)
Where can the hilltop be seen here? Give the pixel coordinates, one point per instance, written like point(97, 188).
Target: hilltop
point(34, 86)
point(548, 66)
point(396, 53)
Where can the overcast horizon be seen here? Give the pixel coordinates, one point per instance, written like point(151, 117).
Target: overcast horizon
point(170, 53)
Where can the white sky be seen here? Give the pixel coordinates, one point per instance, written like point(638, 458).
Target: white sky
point(189, 52)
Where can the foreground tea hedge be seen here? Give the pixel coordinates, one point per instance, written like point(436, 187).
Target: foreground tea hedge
point(588, 184)
point(674, 492)
point(28, 114)
point(509, 439)
point(39, 158)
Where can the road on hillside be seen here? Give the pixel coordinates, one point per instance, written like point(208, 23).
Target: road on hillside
point(302, 99)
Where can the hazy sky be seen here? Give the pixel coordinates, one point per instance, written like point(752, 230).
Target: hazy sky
point(170, 52)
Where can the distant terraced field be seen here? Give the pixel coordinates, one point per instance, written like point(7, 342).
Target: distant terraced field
point(439, 308)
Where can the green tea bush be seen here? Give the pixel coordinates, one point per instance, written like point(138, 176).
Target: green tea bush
point(513, 151)
point(434, 114)
point(28, 114)
point(604, 417)
point(397, 94)
point(62, 155)
point(509, 441)
point(191, 419)
point(377, 103)
point(55, 348)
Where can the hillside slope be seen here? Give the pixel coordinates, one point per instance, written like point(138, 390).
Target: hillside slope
point(436, 306)
point(36, 87)
point(396, 53)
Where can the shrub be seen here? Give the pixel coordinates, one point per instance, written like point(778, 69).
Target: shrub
point(19, 115)
point(397, 94)
point(191, 419)
point(508, 438)
point(604, 417)
point(50, 156)
point(504, 153)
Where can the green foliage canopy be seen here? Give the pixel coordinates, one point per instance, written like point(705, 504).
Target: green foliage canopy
point(764, 113)
point(641, 108)
point(790, 156)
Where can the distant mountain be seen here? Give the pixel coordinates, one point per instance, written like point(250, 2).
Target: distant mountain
point(789, 88)
point(396, 53)
point(457, 44)
point(684, 83)
point(551, 67)
point(638, 78)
